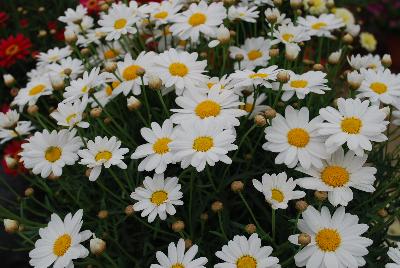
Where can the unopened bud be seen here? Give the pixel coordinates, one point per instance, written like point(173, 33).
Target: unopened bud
point(272, 18)
point(217, 206)
point(155, 82)
point(96, 112)
point(301, 205)
point(260, 120)
point(9, 80)
point(318, 67)
point(85, 51)
point(321, 195)
point(250, 228)
point(129, 210)
point(304, 239)
point(57, 82)
point(67, 71)
point(10, 226)
point(102, 214)
point(97, 246)
point(283, 77)
point(383, 213)
point(32, 109)
point(178, 226)
point(53, 177)
point(188, 243)
point(104, 7)
point(29, 192)
point(110, 66)
point(87, 172)
point(237, 186)
point(140, 71)
point(348, 39)
point(70, 37)
point(334, 57)
point(296, 4)
point(133, 103)
point(277, 3)
point(273, 52)
point(14, 92)
point(42, 33)
point(239, 57)
point(387, 60)
point(270, 113)
point(11, 162)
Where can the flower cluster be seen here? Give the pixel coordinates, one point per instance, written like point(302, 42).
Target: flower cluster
point(163, 105)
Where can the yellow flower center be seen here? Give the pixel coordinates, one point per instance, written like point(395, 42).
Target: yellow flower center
point(61, 245)
point(197, 19)
point(277, 195)
point(161, 15)
point(246, 261)
point(351, 125)
point(70, 117)
point(203, 144)
point(254, 54)
point(85, 89)
point(178, 69)
point(210, 85)
point(129, 72)
point(258, 75)
point(108, 90)
point(207, 108)
point(335, 176)
point(248, 107)
point(178, 265)
point(159, 197)
point(120, 23)
point(161, 146)
point(110, 54)
point(12, 50)
point(378, 87)
point(319, 25)
point(328, 239)
point(104, 155)
point(298, 83)
point(36, 90)
point(52, 154)
point(288, 37)
point(298, 137)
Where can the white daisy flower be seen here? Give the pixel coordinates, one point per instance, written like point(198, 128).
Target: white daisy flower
point(118, 21)
point(178, 258)
point(198, 144)
point(278, 189)
point(244, 13)
point(317, 7)
point(156, 152)
point(180, 69)
point(75, 65)
point(102, 152)
point(53, 55)
point(32, 92)
point(369, 61)
point(60, 242)
point(281, 17)
point(336, 240)
point(72, 16)
point(338, 175)
point(380, 86)
point(255, 52)
point(126, 71)
point(355, 123)
point(303, 84)
point(254, 107)
point(159, 196)
point(394, 255)
point(105, 94)
point(82, 86)
point(70, 114)
point(263, 2)
point(246, 253)
point(198, 18)
point(47, 152)
point(9, 119)
point(322, 25)
point(223, 83)
point(111, 51)
point(296, 139)
point(247, 78)
point(86, 24)
point(289, 34)
point(164, 12)
point(20, 129)
point(220, 106)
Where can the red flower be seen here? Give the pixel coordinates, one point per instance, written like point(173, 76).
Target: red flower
point(11, 160)
point(24, 23)
point(92, 6)
point(59, 35)
point(4, 108)
point(52, 25)
point(13, 49)
point(3, 18)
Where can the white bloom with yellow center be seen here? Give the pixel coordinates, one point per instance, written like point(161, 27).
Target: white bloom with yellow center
point(243, 252)
point(303, 84)
point(70, 114)
point(112, 51)
point(158, 196)
point(72, 16)
point(164, 12)
point(322, 25)
point(223, 83)
point(254, 107)
point(102, 152)
point(244, 13)
point(9, 119)
point(278, 190)
point(338, 175)
point(355, 123)
point(368, 41)
point(369, 61)
point(220, 106)
point(156, 153)
point(118, 21)
point(32, 92)
point(86, 24)
point(178, 258)
point(198, 18)
point(247, 78)
point(85, 85)
point(296, 139)
point(47, 153)
point(281, 17)
point(380, 86)
point(346, 15)
point(74, 65)
point(127, 72)
point(105, 94)
point(255, 52)
point(317, 7)
point(336, 240)
point(180, 69)
point(53, 55)
point(18, 130)
point(60, 242)
point(198, 144)
point(394, 255)
point(289, 34)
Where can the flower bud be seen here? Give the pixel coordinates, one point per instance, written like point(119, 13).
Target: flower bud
point(229, 2)
point(85, 51)
point(29, 192)
point(97, 246)
point(155, 82)
point(53, 177)
point(354, 79)
point(96, 112)
point(11, 162)
point(32, 109)
point(10, 226)
point(321, 195)
point(387, 60)
point(301, 205)
point(250, 228)
point(223, 34)
point(334, 57)
point(102, 214)
point(318, 67)
point(348, 39)
point(383, 213)
point(87, 172)
point(292, 52)
point(260, 120)
point(304, 239)
point(9, 80)
point(42, 33)
point(129, 210)
point(283, 77)
point(271, 18)
point(110, 66)
point(273, 52)
point(70, 36)
point(178, 226)
point(239, 57)
point(270, 113)
point(140, 71)
point(57, 82)
point(204, 216)
point(14, 92)
point(104, 7)
point(107, 120)
point(67, 71)
point(237, 186)
point(296, 4)
point(188, 243)
point(133, 103)
point(217, 206)
point(277, 3)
